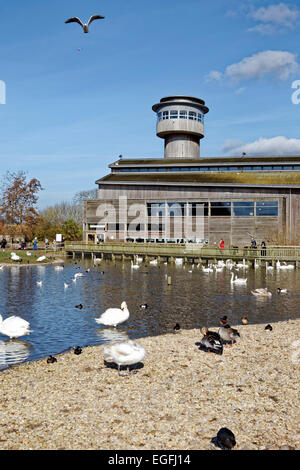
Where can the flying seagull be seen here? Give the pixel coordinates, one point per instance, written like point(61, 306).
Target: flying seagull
point(85, 25)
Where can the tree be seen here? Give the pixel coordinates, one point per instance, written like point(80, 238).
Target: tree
point(71, 230)
point(19, 199)
point(80, 196)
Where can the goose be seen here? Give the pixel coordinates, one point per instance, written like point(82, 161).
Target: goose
point(134, 266)
point(41, 258)
point(124, 353)
point(228, 334)
point(85, 26)
point(238, 280)
point(225, 439)
point(114, 316)
point(154, 262)
point(263, 291)
point(14, 327)
point(211, 341)
point(281, 291)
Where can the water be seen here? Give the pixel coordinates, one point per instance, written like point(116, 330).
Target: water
point(194, 299)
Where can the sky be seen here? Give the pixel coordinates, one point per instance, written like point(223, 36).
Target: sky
point(71, 103)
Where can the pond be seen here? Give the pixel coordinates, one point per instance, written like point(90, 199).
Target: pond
point(193, 299)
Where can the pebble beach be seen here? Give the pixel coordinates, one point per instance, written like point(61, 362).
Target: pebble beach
point(176, 400)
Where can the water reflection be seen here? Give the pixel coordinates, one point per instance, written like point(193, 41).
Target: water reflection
point(193, 299)
point(13, 351)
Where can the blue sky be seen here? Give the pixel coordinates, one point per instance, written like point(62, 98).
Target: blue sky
point(75, 101)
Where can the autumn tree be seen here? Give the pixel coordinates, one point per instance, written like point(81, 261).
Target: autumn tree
point(19, 199)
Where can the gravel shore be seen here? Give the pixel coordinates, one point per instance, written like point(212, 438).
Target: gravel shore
point(177, 399)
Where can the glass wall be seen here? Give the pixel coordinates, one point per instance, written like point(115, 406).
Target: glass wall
point(243, 208)
point(220, 209)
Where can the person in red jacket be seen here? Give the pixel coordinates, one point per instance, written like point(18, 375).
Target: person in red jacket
point(221, 244)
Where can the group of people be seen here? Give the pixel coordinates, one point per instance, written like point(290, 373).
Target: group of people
point(253, 246)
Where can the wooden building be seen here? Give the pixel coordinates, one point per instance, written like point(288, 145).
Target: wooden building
point(183, 197)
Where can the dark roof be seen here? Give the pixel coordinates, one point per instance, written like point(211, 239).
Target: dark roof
point(203, 161)
point(285, 178)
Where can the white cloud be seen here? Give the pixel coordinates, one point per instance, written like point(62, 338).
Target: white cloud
point(279, 64)
point(274, 18)
point(214, 75)
point(279, 14)
point(279, 145)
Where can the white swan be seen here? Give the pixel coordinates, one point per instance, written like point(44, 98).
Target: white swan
point(78, 275)
point(114, 316)
point(207, 270)
point(261, 292)
point(242, 265)
point(134, 266)
point(15, 257)
point(124, 353)
point(139, 259)
point(238, 280)
point(59, 268)
point(28, 253)
point(14, 327)
point(41, 258)
point(178, 260)
point(154, 262)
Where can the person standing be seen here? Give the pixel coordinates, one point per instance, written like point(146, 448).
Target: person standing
point(263, 248)
point(253, 243)
point(221, 244)
point(35, 243)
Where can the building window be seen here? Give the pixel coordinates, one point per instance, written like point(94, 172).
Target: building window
point(243, 208)
point(220, 209)
point(156, 209)
point(192, 116)
point(213, 168)
point(165, 114)
point(200, 117)
point(176, 209)
point(173, 114)
point(198, 209)
point(183, 114)
point(115, 227)
point(159, 116)
point(267, 208)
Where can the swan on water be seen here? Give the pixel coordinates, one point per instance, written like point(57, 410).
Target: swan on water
point(261, 292)
point(242, 265)
point(238, 280)
point(59, 268)
point(14, 327)
point(114, 316)
point(281, 291)
point(124, 353)
point(178, 260)
point(134, 266)
point(154, 262)
point(207, 270)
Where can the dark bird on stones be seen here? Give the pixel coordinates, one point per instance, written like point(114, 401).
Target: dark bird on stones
point(51, 359)
point(176, 327)
point(79, 306)
point(268, 327)
point(225, 439)
point(85, 26)
point(211, 341)
point(77, 350)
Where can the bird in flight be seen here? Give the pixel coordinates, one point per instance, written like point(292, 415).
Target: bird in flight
point(85, 26)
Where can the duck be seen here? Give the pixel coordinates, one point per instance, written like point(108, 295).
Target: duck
point(269, 327)
point(80, 306)
point(281, 291)
point(124, 353)
point(176, 327)
point(77, 350)
point(114, 316)
point(211, 341)
point(134, 266)
point(51, 359)
point(14, 327)
point(238, 280)
point(228, 334)
point(261, 292)
point(225, 439)
point(245, 320)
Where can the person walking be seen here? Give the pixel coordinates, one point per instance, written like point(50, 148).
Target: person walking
point(35, 243)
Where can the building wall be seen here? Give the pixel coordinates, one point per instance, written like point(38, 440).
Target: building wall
point(234, 230)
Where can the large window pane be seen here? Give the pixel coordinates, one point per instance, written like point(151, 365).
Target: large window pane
point(176, 209)
point(183, 114)
point(220, 209)
point(156, 209)
point(165, 114)
point(198, 209)
point(192, 115)
point(243, 208)
point(267, 208)
point(173, 114)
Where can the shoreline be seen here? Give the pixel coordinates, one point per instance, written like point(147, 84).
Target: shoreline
point(177, 399)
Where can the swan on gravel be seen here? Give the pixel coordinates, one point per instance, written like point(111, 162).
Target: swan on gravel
point(124, 353)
